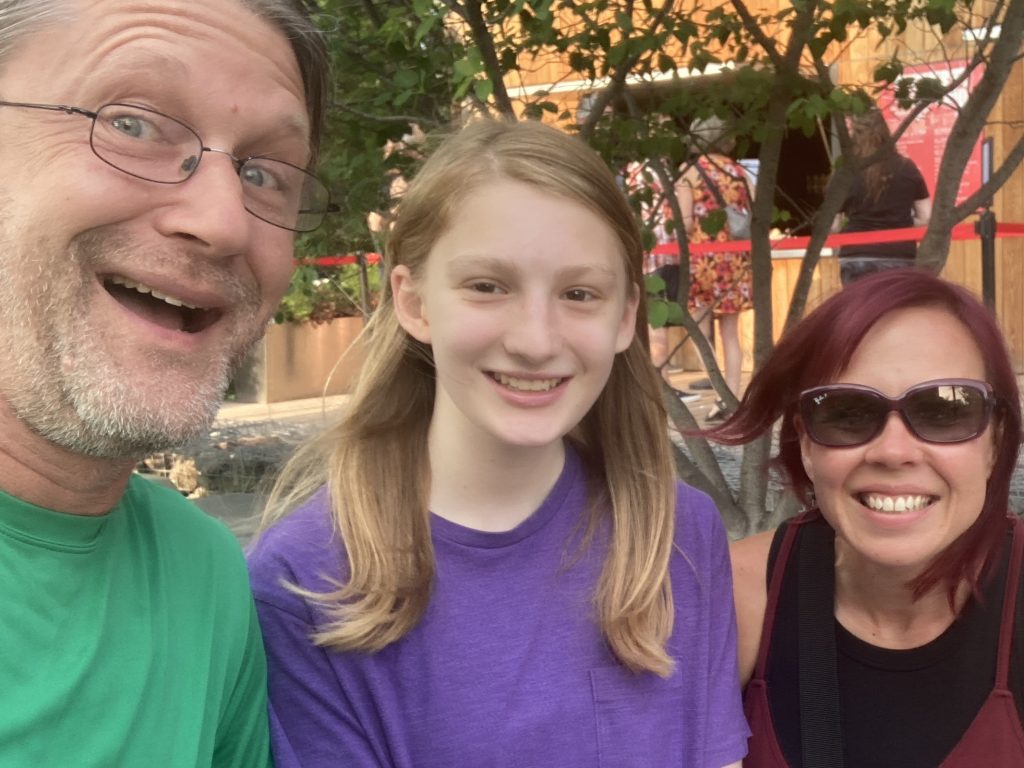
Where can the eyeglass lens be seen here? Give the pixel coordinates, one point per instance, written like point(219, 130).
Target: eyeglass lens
point(155, 147)
point(939, 412)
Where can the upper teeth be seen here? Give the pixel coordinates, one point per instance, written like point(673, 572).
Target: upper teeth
point(895, 503)
point(530, 385)
point(142, 288)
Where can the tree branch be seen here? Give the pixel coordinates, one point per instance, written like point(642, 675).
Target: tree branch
point(934, 248)
point(755, 30)
point(492, 67)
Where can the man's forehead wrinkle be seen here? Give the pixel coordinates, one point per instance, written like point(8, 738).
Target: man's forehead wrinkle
point(131, 40)
point(133, 59)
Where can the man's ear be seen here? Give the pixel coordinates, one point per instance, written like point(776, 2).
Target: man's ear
point(409, 308)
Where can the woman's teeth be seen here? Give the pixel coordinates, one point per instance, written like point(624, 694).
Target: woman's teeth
point(895, 503)
point(526, 385)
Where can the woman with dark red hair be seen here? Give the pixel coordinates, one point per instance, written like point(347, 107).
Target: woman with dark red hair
point(882, 626)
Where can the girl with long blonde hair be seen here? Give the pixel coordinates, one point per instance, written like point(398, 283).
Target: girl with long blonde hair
point(487, 561)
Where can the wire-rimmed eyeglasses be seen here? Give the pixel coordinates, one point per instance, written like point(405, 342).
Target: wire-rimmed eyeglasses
point(152, 146)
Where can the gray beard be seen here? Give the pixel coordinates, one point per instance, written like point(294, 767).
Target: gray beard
point(64, 384)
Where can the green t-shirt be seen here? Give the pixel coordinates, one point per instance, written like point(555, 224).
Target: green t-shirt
point(127, 640)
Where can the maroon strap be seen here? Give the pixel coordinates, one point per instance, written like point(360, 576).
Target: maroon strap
point(1009, 606)
point(774, 588)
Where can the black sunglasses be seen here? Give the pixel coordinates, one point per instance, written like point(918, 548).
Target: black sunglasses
point(940, 411)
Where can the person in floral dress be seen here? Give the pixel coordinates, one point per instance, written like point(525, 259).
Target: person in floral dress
point(720, 283)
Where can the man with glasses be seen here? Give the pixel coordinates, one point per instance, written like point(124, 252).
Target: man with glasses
point(155, 165)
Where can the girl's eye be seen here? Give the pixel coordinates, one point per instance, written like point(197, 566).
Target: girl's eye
point(579, 294)
point(484, 286)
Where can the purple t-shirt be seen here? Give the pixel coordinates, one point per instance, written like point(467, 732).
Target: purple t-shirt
point(507, 667)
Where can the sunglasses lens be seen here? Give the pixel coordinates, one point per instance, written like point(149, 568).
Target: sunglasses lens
point(842, 417)
point(946, 413)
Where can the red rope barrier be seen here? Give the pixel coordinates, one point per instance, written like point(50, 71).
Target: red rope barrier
point(960, 232)
point(338, 261)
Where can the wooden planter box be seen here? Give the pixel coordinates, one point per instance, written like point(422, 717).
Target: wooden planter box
point(294, 361)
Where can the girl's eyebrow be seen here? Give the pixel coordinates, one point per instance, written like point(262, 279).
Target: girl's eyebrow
point(461, 263)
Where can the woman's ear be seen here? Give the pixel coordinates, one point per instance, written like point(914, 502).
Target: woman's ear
point(409, 307)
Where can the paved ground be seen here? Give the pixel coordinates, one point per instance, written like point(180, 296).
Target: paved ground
point(248, 440)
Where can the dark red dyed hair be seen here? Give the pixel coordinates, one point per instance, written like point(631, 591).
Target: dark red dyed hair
point(819, 348)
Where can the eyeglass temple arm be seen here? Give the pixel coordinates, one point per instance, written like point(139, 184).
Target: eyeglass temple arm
point(51, 107)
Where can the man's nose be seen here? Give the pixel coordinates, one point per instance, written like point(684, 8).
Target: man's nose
point(210, 207)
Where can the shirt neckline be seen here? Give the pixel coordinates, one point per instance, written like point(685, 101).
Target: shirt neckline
point(47, 529)
point(544, 514)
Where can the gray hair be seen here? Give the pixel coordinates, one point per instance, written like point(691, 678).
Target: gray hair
point(292, 18)
point(711, 134)
point(19, 18)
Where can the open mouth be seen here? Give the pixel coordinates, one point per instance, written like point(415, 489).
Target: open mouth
point(883, 503)
point(159, 308)
point(526, 385)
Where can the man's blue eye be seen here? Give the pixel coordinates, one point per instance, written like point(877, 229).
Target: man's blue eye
point(259, 176)
point(255, 176)
point(131, 126)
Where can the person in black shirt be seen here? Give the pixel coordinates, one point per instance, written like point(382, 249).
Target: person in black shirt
point(888, 194)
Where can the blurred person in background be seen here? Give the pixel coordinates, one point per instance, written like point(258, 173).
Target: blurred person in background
point(890, 193)
point(721, 282)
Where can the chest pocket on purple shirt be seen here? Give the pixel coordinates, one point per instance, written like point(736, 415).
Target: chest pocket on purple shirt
point(640, 720)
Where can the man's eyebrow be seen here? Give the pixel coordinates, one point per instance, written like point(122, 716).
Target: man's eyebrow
point(294, 126)
point(152, 67)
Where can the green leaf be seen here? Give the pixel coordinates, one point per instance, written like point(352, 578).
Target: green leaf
point(929, 89)
point(657, 313)
point(483, 89)
point(888, 71)
point(425, 26)
point(654, 284)
point(465, 69)
point(509, 58)
point(675, 313)
point(713, 223)
point(407, 78)
point(533, 112)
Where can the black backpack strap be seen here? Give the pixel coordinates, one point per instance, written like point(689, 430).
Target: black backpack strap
point(820, 728)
